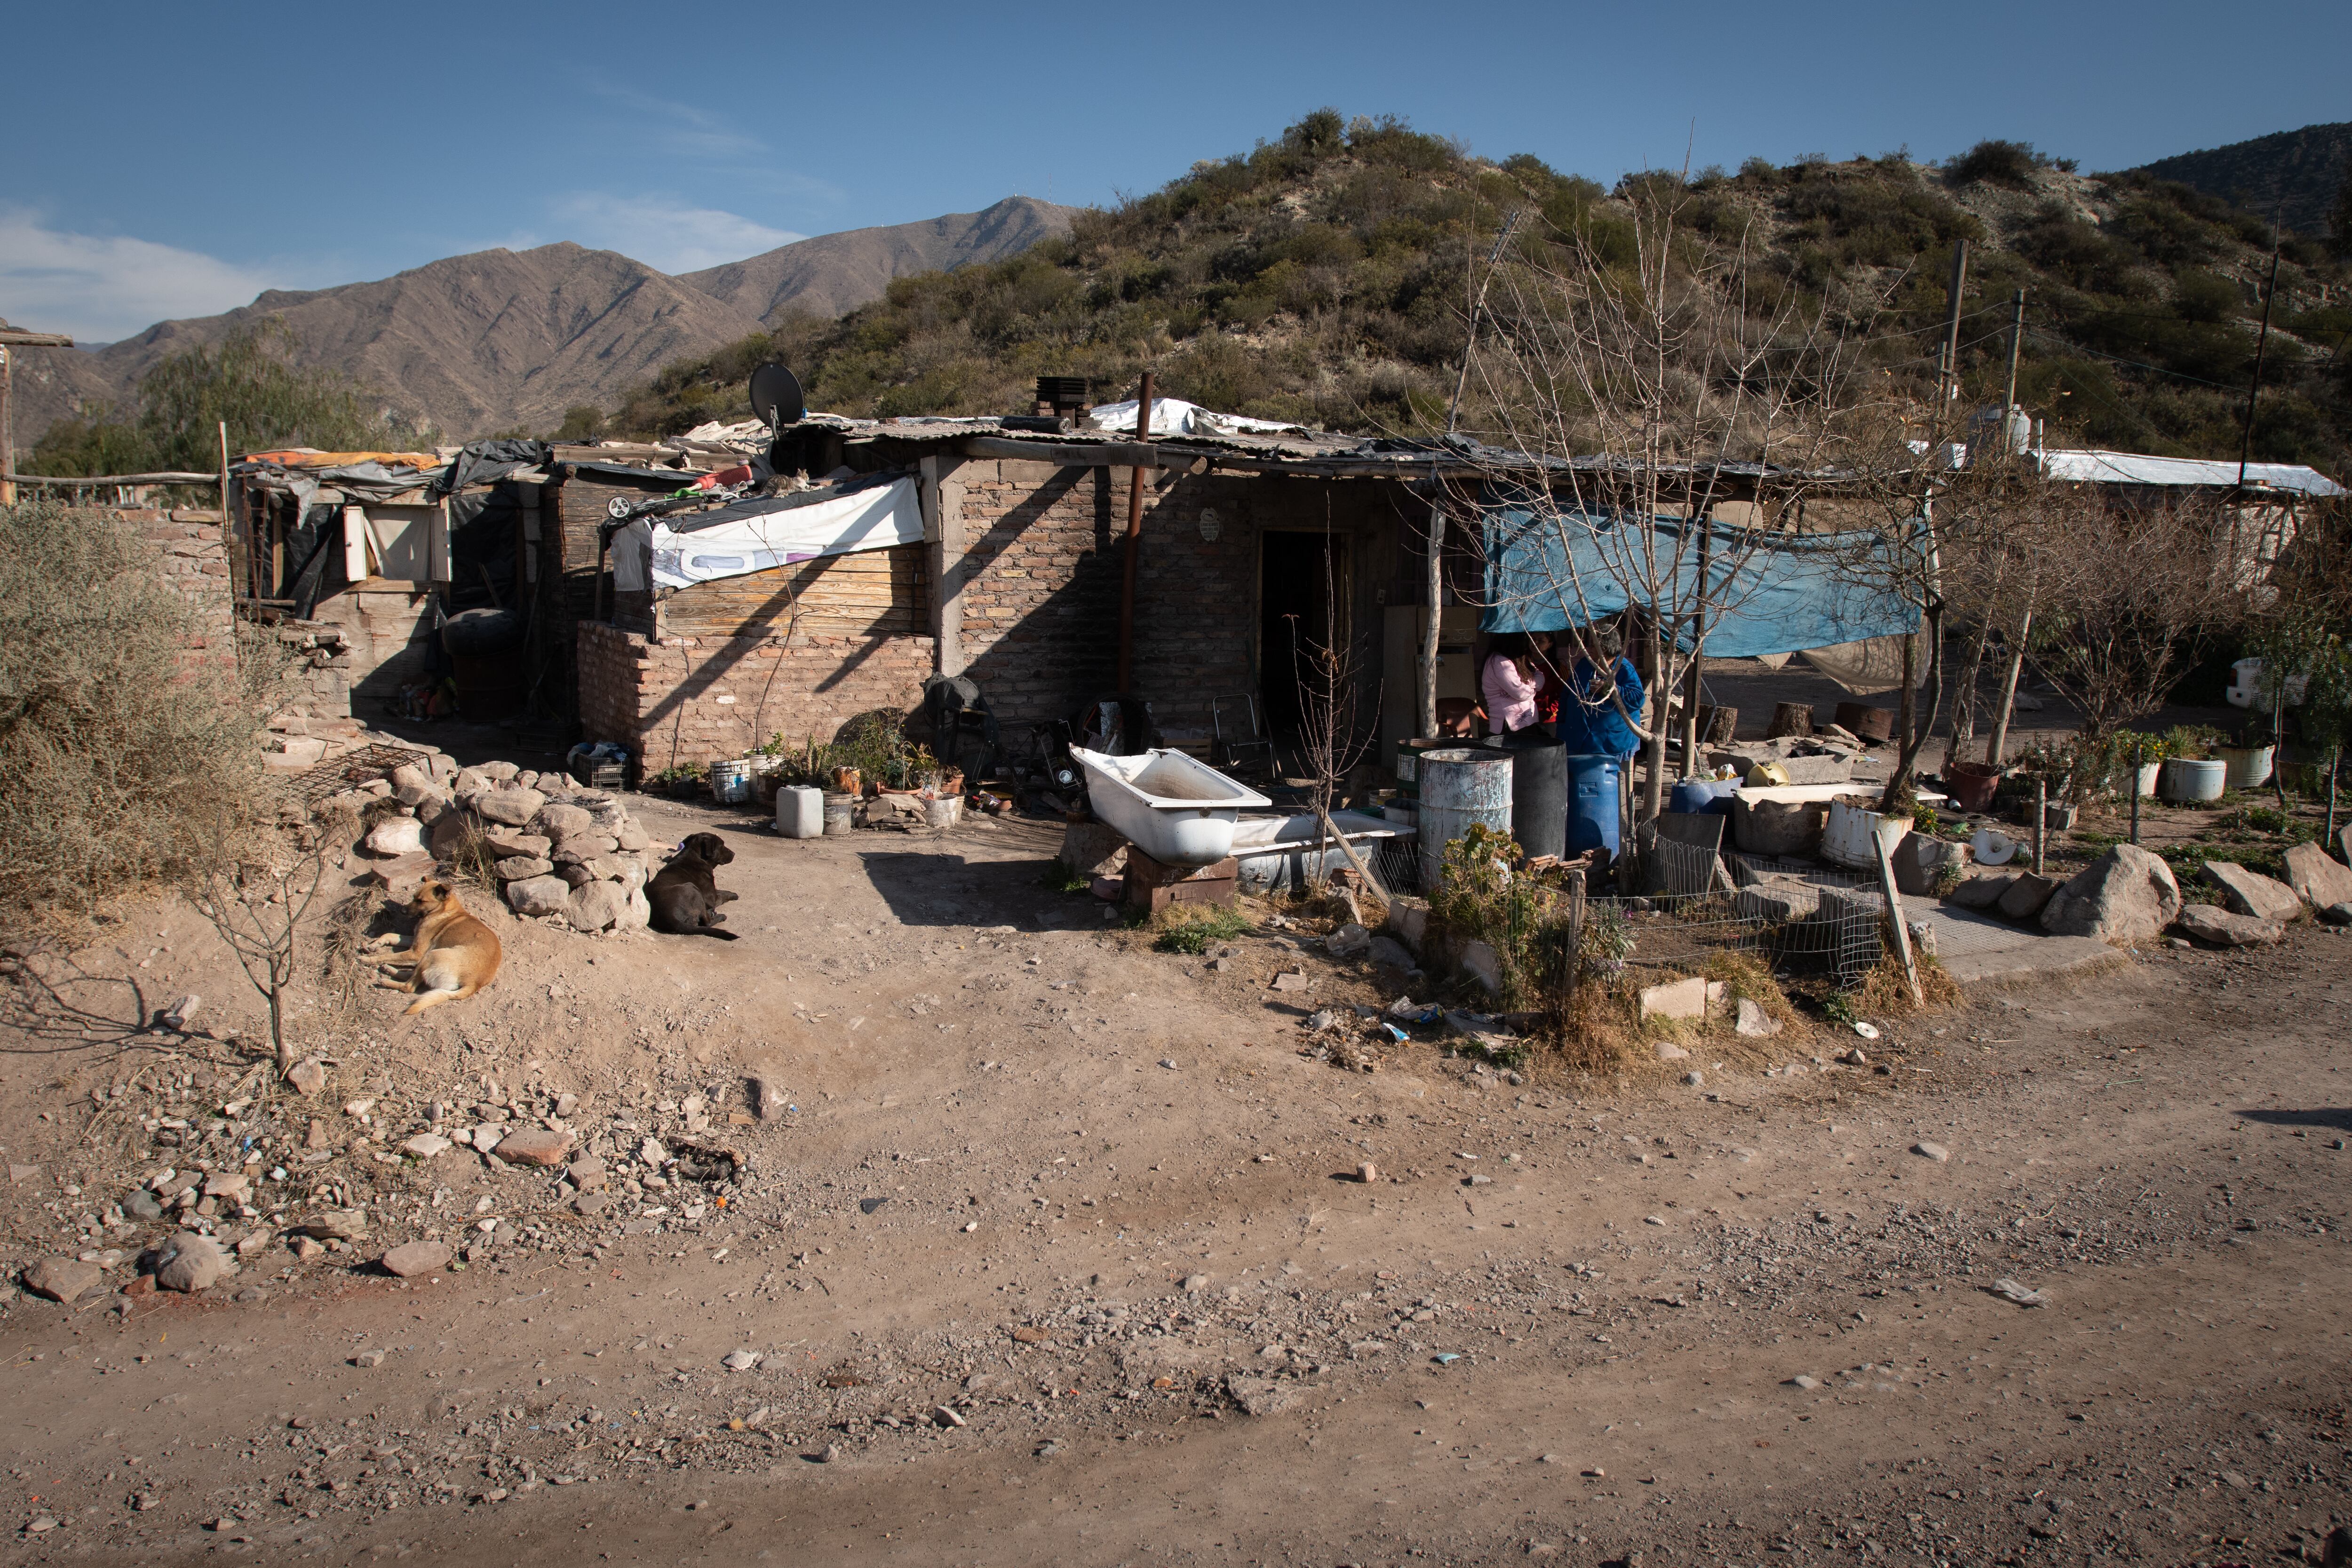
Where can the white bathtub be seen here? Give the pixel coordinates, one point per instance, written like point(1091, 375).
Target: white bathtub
point(1173, 807)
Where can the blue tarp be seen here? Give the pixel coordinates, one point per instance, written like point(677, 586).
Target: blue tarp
point(1549, 571)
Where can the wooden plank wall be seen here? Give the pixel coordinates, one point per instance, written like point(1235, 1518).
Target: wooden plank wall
point(874, 592)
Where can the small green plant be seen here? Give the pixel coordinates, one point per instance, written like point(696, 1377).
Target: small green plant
point(1061, 877)
point(2193, 743)
point(1198, 927)
point(671, 780)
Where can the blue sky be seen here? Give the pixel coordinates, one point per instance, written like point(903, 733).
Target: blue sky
point(176, 160)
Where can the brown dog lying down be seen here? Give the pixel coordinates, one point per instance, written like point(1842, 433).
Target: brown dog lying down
point(452, 955)
point(684, 895)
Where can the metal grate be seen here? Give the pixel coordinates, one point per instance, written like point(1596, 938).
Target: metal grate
point(351, 771)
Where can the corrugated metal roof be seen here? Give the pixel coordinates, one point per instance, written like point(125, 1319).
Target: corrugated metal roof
point(2102, 468)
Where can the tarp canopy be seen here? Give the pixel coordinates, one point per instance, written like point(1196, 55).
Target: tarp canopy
point(751, 536)
point(1547, 572)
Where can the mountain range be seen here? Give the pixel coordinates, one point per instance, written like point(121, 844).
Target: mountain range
point(501, 340)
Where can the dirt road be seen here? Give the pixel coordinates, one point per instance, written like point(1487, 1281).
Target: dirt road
point(1052, 1215)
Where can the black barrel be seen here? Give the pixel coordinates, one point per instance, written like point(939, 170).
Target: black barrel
point(1539, 799)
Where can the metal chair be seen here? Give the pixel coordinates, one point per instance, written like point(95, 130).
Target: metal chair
point(1242, 750)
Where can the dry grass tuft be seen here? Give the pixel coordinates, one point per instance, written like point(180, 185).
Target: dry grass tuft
point(1885, 992)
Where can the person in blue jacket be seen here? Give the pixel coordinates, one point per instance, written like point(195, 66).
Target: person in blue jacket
point(1589, 723)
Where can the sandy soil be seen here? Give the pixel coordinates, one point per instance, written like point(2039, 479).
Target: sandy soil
point(1055, 1213)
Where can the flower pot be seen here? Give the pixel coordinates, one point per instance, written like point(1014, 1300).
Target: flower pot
point(1851, 838)
point(1972, 784)
point(2189, 781)
point(2246, 767)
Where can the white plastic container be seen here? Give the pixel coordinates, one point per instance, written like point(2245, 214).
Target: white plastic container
point(2246, 767)
point(1175, 809)
point(1851, 838)
point(800, 811)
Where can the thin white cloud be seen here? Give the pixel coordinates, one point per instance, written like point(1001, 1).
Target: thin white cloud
point(664, 234)
point(100, 288)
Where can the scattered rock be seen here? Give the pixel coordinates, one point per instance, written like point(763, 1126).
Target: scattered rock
point(1389, 952)
point(595, 906)
point(1981, 892)
point(1695, 1078)
point(181, 1014)
point(1681, 998)
point(1258, 1395)
point(1934, 1151)
point(368, 1358)
point(307, 1077)
point(1804, 1381)
point(1194, 1282)
point(1481, 963)
point(141, 1203)
point(2218, 927)
point(533, 1146)
point(190, 1263)
point(63, 1279)
point(1755, 1023)
point(586, 1173)
point(1670, 1052)
point(1348, 941)
point(2251, 893)
point(1291, 980)
point(2337, 914)
point(2126, 896)
point(741, 1361)
point(415, 1258)
point(1368, 1173)
point(948, 1416)
point(426, 1146)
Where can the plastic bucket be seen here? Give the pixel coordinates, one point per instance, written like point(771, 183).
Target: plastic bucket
point(1539, 799)
point(1851, 838)
point(1973, 784)
point(2189, 780)
point(840, 811)
point(800, 811)
point(1592, 808)
point(942, 810)
point(1461, 787)
point(730, 783)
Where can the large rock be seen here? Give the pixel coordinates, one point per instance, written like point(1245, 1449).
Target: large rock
point(2317, 877)
point(1787, 830)
point(636, 912)
point(2251, 893)
point(1093, 849)
point(1777, 900)
point(2126, 895)
point(2219, 927)
point(539, 896)
point(2024, 898)
point(451, 831)
point(561, 822)
point(414, 1258)
point(395, 836)
point(514, 807)
point(1981, 892)
point(1919, 861)
point(1408, 921)
point(190, 1262)
point(63, 1279)
point(514, 841)
point(400, 876)
point(523, 867)
point(595, 906)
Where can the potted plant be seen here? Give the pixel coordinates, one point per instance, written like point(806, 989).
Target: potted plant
point(2193, 774)
point(1855, 825)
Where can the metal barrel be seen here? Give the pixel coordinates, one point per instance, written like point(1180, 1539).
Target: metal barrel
point(1539, 799)
point(1459, 786)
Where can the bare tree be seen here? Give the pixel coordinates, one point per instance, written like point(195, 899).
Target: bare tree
point(1334, 733)
point(257, 898)
point(1634, 368)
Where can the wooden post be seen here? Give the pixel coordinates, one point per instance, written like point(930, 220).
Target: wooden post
point(1134, 543)
point(1999, 737)
point(2042, 817)
point(1379, 889)
point(1575, 929)
point(7, 433)
point(1431, 610)
point(1703, 515)
point(2139, 750)
point(1895, 918)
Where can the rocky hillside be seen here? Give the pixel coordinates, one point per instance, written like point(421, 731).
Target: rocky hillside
point(2294, 174)
point(1322, 278)
point(503, 340)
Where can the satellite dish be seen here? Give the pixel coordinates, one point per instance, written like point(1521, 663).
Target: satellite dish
point(776, 396)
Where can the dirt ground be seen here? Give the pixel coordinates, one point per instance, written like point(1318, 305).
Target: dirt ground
point(1053, 1214)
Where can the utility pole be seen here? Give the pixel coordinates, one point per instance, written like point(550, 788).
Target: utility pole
point(1437, 541)
point(2016, 336)
point(2255, 387)
point(1951, 354)
point(12, 338)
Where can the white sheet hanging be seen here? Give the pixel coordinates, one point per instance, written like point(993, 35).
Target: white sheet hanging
point(873, 519)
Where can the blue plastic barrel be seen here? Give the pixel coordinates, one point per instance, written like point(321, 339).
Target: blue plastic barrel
point(1592, 803)
point(1692, 796)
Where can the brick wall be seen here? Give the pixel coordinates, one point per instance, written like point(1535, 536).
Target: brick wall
point(192, 555)
point(675, 701)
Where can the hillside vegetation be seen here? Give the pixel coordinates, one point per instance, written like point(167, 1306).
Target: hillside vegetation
point(1325, 276)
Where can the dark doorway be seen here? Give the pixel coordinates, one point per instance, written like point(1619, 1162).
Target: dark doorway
point(1303, 602)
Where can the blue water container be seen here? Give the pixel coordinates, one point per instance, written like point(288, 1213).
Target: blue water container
point(1592, 803)
point(1702, 797)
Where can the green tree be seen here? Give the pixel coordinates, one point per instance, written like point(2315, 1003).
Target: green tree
point(251, 381)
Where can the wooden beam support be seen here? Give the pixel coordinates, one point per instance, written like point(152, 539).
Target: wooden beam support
point(1088, 454)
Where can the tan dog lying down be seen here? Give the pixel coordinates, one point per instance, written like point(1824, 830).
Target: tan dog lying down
point(452, 955)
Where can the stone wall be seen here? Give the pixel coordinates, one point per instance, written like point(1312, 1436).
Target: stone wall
point(677, 700)
point(192, 555)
